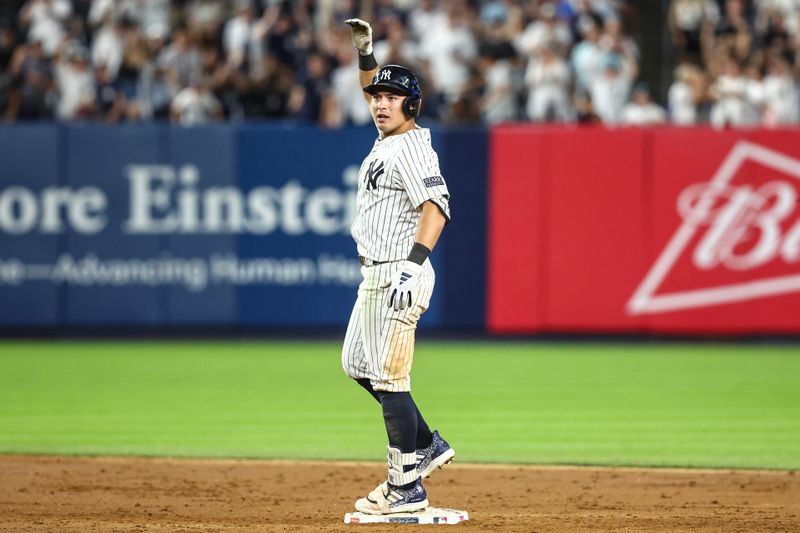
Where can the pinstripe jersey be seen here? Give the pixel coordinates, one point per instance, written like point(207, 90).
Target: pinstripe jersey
point(400, 173)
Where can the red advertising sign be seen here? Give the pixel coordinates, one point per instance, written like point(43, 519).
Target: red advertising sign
point(668, 230)
point(727, 232)
point(595, 229)
point(515, 239)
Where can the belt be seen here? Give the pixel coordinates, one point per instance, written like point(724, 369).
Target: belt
point(369, 262)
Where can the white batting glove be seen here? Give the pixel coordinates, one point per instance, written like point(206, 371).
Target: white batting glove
point(403, 284)
point(361, 32)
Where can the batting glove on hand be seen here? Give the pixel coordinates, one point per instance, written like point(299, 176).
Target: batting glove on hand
point(404, 281)
point(361, 32)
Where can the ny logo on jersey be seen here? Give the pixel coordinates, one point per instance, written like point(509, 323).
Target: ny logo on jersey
point(386, 75)
point(373, 173)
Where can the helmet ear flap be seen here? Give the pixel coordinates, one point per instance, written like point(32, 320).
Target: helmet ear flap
point(411, 106)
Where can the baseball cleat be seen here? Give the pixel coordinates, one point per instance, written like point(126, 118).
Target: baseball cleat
point(388, 499)
point(436, 455)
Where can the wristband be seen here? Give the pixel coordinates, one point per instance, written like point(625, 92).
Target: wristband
point(367, 62)
point(419, 253)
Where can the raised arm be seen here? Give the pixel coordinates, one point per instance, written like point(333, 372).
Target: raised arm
point(361, 32)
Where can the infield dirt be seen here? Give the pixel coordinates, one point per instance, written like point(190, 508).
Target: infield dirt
point(79, 494)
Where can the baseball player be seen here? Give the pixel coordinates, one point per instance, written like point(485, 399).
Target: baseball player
point(402, 205)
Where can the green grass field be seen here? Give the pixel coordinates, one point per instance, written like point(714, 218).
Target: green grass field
point(703, 405)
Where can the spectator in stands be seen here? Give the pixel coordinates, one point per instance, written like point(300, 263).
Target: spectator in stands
point(180, 61)
point(476, 60)
point(425, 19)
point(75, 84)
point(548, 80)
point(733, 32)
point(310, 99)
point(599, 9)
point(258, 38)
point(269, 92)
point(397, 48)
point(498, 103)
point(282, 38)
point(584, 109)
point(586, 9)
point(102, 12)
point(75, 30)
point(586, 54)
point(495, 35)
point(610, 87)
point(641, 110)
point(109, 45)
point(511, 13)
point(204, 18)
point(80, 9)
point(153, 18)
point(238, 34)
point(729, 92)
point(135, 57)
point(466, 109)
point(786, 10)
point(778, 25)
point(195, 105)
point(349, 107)
point(32, 93)
point(688, 20)
point(781, 98)
point(450, 51)
point(684, 95)
point(546, 30)
point(499, 66)
point(225, 81)
point(8, 43)
point(384, 12)
point(615, 41)
point(44, 22)
point(111, 102)
point(754, 91)
point(153, 92)
point(330, 13)
point(775, 37)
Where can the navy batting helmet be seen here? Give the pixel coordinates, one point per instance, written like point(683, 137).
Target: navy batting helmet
point(400, 80)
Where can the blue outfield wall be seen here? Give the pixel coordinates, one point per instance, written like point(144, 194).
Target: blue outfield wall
point(29, 160)
point(464, 161)
point(231, 225)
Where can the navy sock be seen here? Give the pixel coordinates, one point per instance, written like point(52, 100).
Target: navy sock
point(364, 382)
point(400, 417)
point(424, 435)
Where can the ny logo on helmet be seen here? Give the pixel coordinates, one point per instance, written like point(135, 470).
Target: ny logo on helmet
point(386, 74)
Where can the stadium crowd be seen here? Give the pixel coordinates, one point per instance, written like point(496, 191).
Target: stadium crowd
point(486, 61)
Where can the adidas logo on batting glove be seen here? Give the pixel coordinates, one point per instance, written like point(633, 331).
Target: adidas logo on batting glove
point(404, 281)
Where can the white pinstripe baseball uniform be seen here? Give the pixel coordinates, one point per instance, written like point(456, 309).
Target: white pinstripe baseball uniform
point(396, 178)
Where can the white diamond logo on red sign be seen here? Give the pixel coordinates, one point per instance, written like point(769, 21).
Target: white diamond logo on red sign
point(748, 229)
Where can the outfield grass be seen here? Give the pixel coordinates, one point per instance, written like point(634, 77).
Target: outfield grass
point(628, 404)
